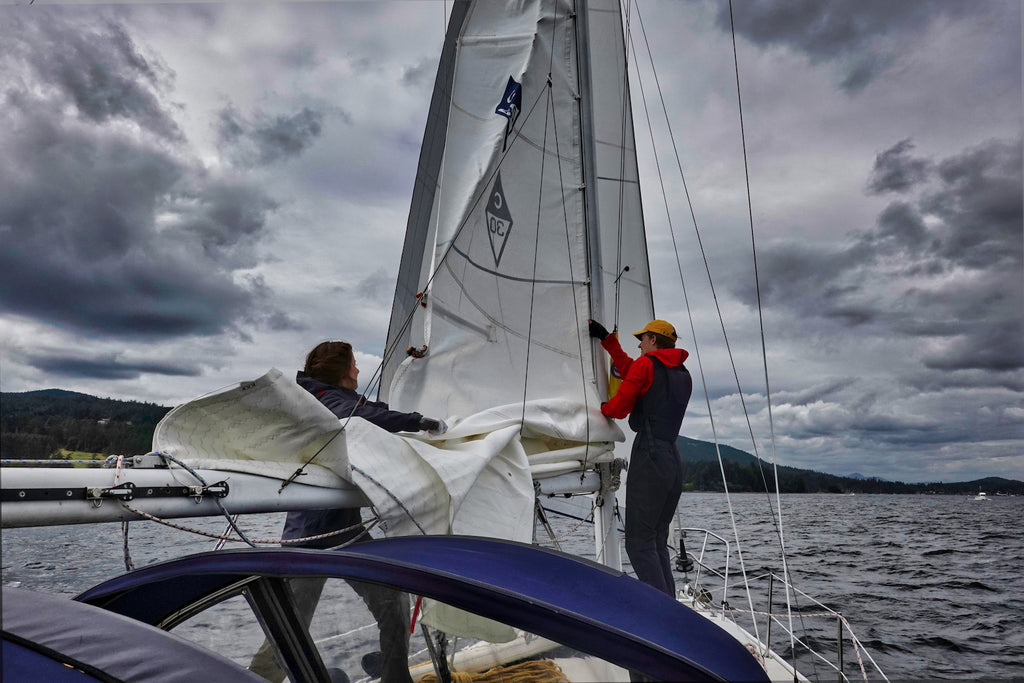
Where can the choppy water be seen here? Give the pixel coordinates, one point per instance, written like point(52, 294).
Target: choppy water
point(932, 585)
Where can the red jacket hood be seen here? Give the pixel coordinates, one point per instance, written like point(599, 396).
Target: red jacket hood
point(670, 357)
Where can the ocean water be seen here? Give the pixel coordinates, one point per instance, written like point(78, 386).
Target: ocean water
point(931, 585)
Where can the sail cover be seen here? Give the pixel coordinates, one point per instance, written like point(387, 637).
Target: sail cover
point(525, 212)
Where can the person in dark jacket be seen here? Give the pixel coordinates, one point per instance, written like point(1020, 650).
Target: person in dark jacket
point(332, 376)
point(654, 393)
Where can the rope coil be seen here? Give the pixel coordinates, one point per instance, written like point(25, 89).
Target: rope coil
point(539, 671)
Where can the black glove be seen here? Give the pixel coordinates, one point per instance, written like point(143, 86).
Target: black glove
point(597, 330)
point(433, 426)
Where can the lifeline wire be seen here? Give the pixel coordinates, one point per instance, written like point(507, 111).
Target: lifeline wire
point(259, 541)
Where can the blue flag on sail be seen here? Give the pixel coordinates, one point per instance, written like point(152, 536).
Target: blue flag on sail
point(512, 101)
point(510, 106)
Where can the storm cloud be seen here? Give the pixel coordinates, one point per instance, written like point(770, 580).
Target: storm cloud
point(107, 366)
point(209, 190)
point(110, 223)
point(855, 36)
point(942, 265)
point(267, 139)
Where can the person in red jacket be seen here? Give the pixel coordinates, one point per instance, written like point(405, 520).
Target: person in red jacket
point(654, 393)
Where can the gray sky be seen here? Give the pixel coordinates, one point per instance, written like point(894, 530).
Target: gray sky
point(192, 194)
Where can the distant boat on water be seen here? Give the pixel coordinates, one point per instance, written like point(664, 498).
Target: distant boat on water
point(981, 496)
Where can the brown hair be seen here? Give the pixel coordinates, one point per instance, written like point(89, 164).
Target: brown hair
point(329, 361)
point(663, 342)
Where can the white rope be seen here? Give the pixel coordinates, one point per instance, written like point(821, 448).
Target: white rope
point(264, 542)
point(128, 563)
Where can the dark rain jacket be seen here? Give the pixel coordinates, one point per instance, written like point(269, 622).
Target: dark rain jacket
point(347, 402)
point(343, 403)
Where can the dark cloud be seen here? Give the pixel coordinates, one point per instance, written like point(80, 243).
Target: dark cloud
point(978, 218)
point(377, 288)
point(94, 66)
point(902, 228)
point(109, 224)
point(223, 215)
point(818, 281)
point(812, 394)
point(420, 74)
point(943, 266)
point(266, 139)
point(107, 366)
point(896, 171)
point(979, 206)
point(264, 316)
point(854, 35)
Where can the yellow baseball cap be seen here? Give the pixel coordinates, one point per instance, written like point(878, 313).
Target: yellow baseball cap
point(658, 327)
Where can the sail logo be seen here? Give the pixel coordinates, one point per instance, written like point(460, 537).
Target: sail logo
point(499, 220)
point(511, 102)
point(510, 106)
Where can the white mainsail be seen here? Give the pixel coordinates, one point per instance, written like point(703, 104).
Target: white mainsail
point(525, 214)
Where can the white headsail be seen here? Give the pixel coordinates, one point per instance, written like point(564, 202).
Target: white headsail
point(525, 213)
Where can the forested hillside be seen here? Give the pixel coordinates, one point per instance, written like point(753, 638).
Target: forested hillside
point(37, 424)
point(44, 424)
point(702, 473)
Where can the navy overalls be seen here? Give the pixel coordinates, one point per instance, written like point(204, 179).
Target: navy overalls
point(655, 479)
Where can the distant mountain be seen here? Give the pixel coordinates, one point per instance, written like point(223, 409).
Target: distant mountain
point(705, 451)
point(39, 424)
point(744, 472)
point(62, 403)
point(50, 392)
point(858, 475)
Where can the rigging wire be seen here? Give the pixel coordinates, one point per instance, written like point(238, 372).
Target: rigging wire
point(682, 279)
point(707, 269)
point(568, 250)
point(760, 318)
point(623, 131)
point(536, 243)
